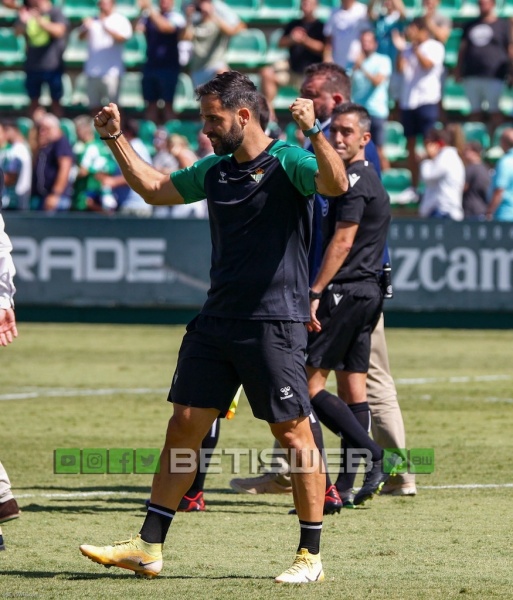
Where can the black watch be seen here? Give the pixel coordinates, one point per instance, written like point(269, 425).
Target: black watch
point(313, 130)
point(314, 295)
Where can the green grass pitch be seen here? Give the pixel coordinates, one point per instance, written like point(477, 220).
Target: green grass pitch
point(94, 386)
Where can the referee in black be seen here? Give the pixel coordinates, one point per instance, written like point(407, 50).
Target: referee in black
point(346, 297)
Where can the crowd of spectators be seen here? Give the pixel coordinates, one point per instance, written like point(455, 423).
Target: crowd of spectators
point(397, 69)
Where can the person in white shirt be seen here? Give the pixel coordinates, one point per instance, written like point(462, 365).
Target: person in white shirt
point(421, 64)
point(443, 173)
point(104, 66)
point(18, 168)
point(342, 31)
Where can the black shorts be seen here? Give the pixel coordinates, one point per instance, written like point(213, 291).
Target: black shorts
point(348, 314)
point(267, 357)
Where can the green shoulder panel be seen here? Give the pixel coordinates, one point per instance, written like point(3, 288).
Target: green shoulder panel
point(299, 164)
point(190, 181)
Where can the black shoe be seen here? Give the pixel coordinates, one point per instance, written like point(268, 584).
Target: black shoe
point(347, 498)
point(374, 480)
point(2, 545)
point(9, 510)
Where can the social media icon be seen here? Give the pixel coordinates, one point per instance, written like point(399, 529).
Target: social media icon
point(147, 460)
point(66, 461)
point(121, 460)
point(94, 460)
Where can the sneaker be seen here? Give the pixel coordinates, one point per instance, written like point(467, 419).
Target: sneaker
point(375, 478)
point(268, 483)
point(306, 568)
point(398, 489)
point(9, 510)
point(134, 554)
point(195, 504)
point(332, 502)
point(347, 497)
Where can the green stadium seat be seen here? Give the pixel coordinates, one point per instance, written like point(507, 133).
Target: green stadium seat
point(452, 47)
point(454, 99)
point(506, 102)
point(247, 50)
point(184, 95)
point(469, 10)
point(69, 130)
point(25, 124)
point(413, 8)
point(75, 54)
point(477, 132)
point(7, 15)
point(279, 11)
point(395, 142)
point(130, 93)
point(495, 151)
point(189, 129)
point(274, 52)
point(12, 48)
point(76, 10)
point(398, 183)
point(79, 98)
point(13, 94)
point(450, 8)
point(247, 10)
point(505, 9)
point(325, 8)
point(284, 98)
point(128, 8)
point(134, 50)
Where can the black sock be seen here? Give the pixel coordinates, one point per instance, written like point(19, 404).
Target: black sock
point(310, 536)
point(345, 480)
point(336, 415)
point(157, 522)
point(319, 442)
point(209, 443)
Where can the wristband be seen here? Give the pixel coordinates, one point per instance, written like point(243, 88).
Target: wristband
point(314, 295)
point(313, 130)
point(112, 137)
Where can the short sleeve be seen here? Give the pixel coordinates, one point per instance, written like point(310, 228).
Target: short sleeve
point(502, 175)
point(351, 205)
point(300, 166)
point(190, 182)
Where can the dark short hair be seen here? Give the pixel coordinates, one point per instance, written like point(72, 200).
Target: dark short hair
point(233, 89)
point(350, 108)
point(337, 80)
point(419, 22)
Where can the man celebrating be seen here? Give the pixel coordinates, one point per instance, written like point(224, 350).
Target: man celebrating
point(251, 328)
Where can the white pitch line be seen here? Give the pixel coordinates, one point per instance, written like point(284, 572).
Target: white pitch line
point(65, 393)
point(101, 493)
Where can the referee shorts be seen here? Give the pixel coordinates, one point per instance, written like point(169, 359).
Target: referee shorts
point(267, 357)
point(348, 314)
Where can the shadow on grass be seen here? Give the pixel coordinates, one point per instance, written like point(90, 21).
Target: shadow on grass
point(73, 576)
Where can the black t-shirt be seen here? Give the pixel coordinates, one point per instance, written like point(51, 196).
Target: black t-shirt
point(486, 54)
point(299, 56)
point(475, 198)
point(367, 203)
point(260, 216)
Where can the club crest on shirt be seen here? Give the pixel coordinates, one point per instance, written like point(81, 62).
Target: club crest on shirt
point(257, 175)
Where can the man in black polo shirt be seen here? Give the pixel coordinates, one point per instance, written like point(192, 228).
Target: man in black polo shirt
point(346, 296)
point(251, 328)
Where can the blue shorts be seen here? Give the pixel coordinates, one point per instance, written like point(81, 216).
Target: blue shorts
point(35, 80)
point(267, 357)
point(377, 131)
point(418, 121)
point(159, 83)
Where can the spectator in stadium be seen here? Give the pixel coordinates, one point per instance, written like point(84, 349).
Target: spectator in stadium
point(438, 25)
point(501, 204)
point(45, 28)
point(388, 16)
point(163, 29)
point(421, 63)
point(53, 161)
point(305, 40)
point(9, 509)
point(477, 182)
point(17, 168)
point(237, 349)
point(443, 174)
point(163, 160)
point(328, 85)
point(370, 78)
point(204, 145)
point(105, 35)
point(342, 31)
point(209, 26)
point(484, 61)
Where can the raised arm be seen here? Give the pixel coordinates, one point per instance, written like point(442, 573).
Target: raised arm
point(154, 187)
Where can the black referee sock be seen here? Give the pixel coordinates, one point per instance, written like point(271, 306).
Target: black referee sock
point(310, 536)
point(157, 522)
point(336, 415)
point(209, 443)
point(319, 442)
point(345, 480)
